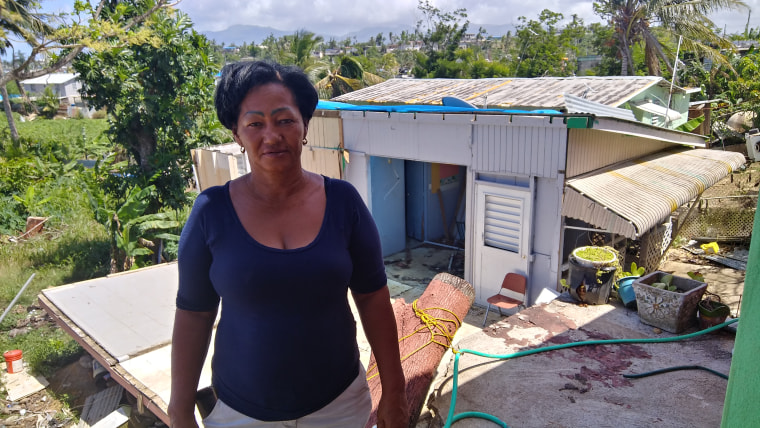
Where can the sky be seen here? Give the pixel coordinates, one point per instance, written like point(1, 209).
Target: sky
point(343, 16)
point(340, 17)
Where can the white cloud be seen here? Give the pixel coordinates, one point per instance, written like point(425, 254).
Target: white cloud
point(343, 16)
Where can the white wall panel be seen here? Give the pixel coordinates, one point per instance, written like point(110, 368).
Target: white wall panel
point(519, 150)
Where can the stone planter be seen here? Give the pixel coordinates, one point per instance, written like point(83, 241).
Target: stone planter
point(672, 311)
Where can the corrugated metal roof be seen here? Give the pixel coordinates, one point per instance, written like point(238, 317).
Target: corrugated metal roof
point(50, 79)
point(581, 105)
point(539, 92)
point(632, 197)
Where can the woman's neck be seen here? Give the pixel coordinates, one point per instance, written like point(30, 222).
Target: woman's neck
point(274, 190)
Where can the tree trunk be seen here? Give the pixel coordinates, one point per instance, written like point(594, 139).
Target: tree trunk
point(143, 144)
point(652, 60)
point(626, 58)
point(25, 97)
point(7, 106)
point(444, 291)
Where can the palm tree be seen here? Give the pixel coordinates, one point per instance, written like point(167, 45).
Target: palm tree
point(634, 21)
point(18, 19)
point(347, 77)
point(299, 48)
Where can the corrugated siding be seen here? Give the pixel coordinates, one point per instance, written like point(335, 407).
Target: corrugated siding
point(217, 165)
point(324, 154)
point(537, 150)
point(644, 192)
point(590, 149)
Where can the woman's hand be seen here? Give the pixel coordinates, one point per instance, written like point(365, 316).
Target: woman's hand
point(379, 324)
point(393, 411)
point(183, 421)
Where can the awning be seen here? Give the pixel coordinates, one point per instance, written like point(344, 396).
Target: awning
point(634, 196)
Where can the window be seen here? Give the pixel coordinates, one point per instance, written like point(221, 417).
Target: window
point(503, 222)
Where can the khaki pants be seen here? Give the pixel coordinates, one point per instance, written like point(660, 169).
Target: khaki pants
point(350, 409)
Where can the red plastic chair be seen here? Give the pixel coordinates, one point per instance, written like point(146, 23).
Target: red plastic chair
point(516, 285)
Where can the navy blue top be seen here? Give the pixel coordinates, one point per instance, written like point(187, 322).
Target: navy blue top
point(286, 340)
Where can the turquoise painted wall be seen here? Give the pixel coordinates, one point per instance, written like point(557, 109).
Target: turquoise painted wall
point(741, 407)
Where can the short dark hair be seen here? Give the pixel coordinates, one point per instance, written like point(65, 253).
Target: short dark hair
point(240, 77)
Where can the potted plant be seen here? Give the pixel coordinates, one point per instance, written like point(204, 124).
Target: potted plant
point(712, 312)
point(624, 285)
point(592, 272)
point(667, 301)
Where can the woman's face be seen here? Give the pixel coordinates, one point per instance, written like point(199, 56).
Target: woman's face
point(271, 128)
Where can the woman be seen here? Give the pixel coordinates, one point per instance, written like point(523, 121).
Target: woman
point(279, 248)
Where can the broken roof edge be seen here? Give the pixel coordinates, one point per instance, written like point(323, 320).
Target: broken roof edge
point(589, 120)
point(426, 108)
point(638, 129)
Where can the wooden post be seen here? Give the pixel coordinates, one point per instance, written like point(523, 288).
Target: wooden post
point(34, 226)
point(420, 358)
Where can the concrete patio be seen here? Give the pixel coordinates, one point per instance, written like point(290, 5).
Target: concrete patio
point(579, 386)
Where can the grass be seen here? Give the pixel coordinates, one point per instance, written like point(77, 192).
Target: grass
point(73, 246)
point(77, 251)
point(84, 138)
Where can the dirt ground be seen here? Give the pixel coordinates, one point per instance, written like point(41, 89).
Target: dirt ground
point(61, 403)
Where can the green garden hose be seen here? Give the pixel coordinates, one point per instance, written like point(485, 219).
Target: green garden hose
point(672, 369)
point(451, 418)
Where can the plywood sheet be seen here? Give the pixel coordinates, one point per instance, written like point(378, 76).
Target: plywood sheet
point(153, 370)
point(126, 314)
point(21, 384)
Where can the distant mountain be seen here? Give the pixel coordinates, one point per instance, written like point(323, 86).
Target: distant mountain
point(239, 34)
point(494, 30)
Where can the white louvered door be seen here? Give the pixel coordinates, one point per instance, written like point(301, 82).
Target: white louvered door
point(502, 235)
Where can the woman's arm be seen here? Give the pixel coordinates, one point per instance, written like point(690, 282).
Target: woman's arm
point(190, 342)
point(379, 325)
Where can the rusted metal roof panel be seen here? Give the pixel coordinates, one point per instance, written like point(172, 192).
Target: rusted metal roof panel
point(540, 92)
point(632, 197)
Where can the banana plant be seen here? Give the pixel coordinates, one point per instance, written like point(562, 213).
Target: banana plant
point(30, 202)
point(130, 229)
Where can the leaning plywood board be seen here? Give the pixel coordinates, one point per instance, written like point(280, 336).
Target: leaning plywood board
point(125, 322)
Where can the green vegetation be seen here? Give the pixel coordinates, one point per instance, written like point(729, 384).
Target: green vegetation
point(635, 270)
point(665, 283)
point(595, 254)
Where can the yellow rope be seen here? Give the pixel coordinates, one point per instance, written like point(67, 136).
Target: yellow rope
point(435, 326)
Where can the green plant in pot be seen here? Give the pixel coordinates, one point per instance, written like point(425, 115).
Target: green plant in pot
point(592, 273)
point(712, 311)
point(624, 285)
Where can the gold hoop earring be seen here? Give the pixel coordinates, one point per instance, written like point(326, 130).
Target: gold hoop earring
point(242, 149)
point(304, 141)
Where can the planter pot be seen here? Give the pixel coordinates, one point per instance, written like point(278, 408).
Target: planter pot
point(716, 314)
point(597, 283)
point(672, 311)
point(626, 292)
point(602, 257)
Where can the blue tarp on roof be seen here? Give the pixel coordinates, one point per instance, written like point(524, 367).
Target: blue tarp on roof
point(419, 108)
